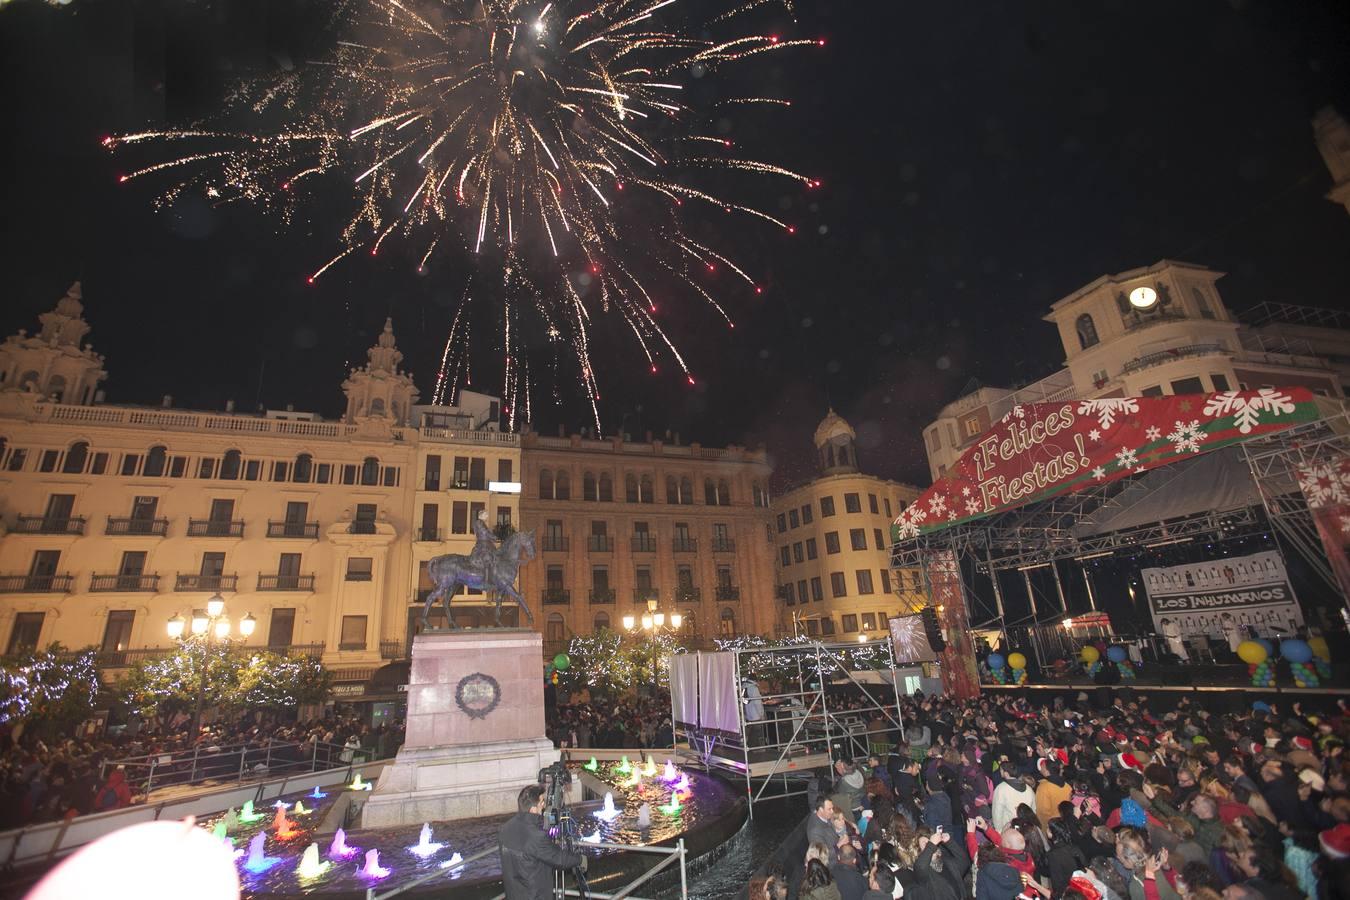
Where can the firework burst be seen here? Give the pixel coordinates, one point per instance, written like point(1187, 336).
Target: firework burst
point(551, 140)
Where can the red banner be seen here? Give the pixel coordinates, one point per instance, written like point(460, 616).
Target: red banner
point(960, 678)
point(1041, 450)
point(1326, 487)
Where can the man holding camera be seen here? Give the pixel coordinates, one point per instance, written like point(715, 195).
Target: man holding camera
point(528, 856)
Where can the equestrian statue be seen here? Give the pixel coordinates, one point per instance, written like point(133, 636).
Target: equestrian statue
point(487, 568)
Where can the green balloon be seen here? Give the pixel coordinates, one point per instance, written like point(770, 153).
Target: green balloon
point(561, 662)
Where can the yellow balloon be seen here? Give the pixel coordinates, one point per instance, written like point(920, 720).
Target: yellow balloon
point(1017, 661)
point(1320, 648)
point(1251, 652)
point(1090, 654)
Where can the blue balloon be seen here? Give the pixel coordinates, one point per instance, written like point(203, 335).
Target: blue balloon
point(1116, 653)
point(1295, 650)
point(995, 661)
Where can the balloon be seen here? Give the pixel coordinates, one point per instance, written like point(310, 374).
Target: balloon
point(995, 661)
point(1270, 648)
point(561, 662)
point(1090, 654)
point(1252, 653)
point(1320, 648)
point(1295, 650)
point(1116, 653)
point(1017, 660)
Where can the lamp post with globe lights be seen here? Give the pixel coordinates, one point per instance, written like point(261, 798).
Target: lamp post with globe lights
point(652, 625)
point(211, 624)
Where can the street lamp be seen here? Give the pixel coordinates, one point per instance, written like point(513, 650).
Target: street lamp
point(214, 625)
point(653, 618)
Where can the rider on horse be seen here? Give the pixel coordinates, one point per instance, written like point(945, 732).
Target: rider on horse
point(485, 550)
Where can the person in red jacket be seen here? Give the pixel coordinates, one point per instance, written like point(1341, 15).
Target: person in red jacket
point(115, 792)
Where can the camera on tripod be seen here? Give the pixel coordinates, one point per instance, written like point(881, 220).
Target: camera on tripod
point(554, 780)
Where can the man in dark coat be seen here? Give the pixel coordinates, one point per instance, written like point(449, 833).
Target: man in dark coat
point(528, 856)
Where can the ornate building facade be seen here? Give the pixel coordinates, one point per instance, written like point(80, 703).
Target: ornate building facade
point(832, 542)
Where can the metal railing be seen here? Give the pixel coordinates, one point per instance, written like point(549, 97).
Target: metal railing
point(1164, 356)
point(685, 594)
point(684, 545)
point(428, 534)
point(392, 650)
point(126, 525)
point(226, 528)
point(728, 592)
point(556, 597)
point(37, 584)
point(644, 543)
point(602, 595)
point(285, 582)
point(225, 765)
point(304, 530)
point(642, 595)
point(361, 526)
point(554, 543)
point(187, 581)
point(724, 545)
point(599, 543)
point(141, 582)
point(49, 525)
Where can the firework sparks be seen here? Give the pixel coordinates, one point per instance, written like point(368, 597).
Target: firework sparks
point(549, 140)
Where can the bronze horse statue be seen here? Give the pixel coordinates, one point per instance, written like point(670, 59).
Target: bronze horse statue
point(452, 571)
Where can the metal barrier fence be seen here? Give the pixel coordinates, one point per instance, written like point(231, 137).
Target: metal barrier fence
point(227, 765)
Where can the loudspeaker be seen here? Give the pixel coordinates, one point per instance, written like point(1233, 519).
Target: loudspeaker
point(931, 629)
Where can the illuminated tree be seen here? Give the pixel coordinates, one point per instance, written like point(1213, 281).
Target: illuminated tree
point(50, 689)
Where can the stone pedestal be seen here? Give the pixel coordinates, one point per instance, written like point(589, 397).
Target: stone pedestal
point(465, 755)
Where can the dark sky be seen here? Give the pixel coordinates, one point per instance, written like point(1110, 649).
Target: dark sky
point(979, 162)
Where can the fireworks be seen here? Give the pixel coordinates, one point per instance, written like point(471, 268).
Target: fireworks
point(552, 141)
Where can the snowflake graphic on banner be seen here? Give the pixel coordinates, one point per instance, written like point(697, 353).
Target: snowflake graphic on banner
point(1153, 432)
point(1099, 473)
point(972, 506)
point(1187, 437)
point(937, 504)
point(1247, 411)
point(1125, 457)
point(1107, 410)
point(1325, 484)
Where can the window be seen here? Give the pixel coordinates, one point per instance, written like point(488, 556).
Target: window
point(76, 457)
point(838, 587)
point(782, 522)
point(787, 594)
point(672, 489)
point(504, 470)
point(47, 463)
point(555, 629)
point(885, 581)
point(353, 633)
point(686, 491)
point(251, 470)
point(588, 487)
point(1220, 382)
point(1087, 331)
point(807, 516)
point(831, 542)
point(230, 465)
point(503, 519)
point(365, 519)
point(117, 631)
point(154, 461)
point(553, 578)
point(864, 577)
point(709, 492)
point(545, 484)
point(970, 427)
point(602, 621)
point(1202, 303)
point(878, 539)
point(213, 565)
point(280, 471)
point(797, 555)
point(872, 504)
point(810, 548)
point(726, 624)
point(281, 631)
point(562, 486)
point(43, 568)
point(643, 578)
point(934, 437)
point(101, 465)
point(812, 627)
point(852, 503)
point(684, 578)
point(477, 474)
point(288, 568)
point(370, 475)
point(857, 538)
point(133, 564)
point(793, 520)
point(869, 621)
point(827, 625)
point(606, 488)
point(630, 488)
point(1154, 391)
point(325, 473)
point(785, 553)
point(826, 507)
point(757, 495)
point(432, 480)
point(359, 568)
point(886, 501)
point(459, 517)
point(817, 592)
point(349, 474)
point(648, 489)
point(1188, 386)
point(23, 637)
point(801, 591)
point(848, 622)
point(59, 509)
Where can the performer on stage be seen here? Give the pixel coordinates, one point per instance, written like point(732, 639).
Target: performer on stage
point(1172, 631)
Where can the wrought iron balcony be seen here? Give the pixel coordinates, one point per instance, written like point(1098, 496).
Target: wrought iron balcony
point(304, 530)
point(686, 594)
point(223, 528)
point(49, 525)
point(429, 534)
point(147, 583)
point(644, 542)
point(360, 576)
point(285, 582)
point(392, 650)
point(313, 651)
point(724, 545)
point(1165, 356)
point(556, 597)
point(119, 526)
point(602, 595)
point(642, 595)
point(727, 592)
point(187, 581)
point(555, 543)
point(599, 543)
point(36, 584)
point(361, 526)
point(684, 545)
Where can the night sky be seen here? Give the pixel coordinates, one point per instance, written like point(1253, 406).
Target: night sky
point(979, 161)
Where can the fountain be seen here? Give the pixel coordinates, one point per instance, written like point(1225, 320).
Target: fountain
point(673, 807)
point(592, 838)
point(608, 813)
point(682, 785)
point(670, 773)
point(359, 785)
point(281, 804)
point(372, 868)
point(300, 809)
point(258, 862)
point(317, 794)
point(282, 825)
point(623, 768)
point(454, 862)
point(310, 864)
point(230, 819)
point(425, 847)
point(592, 766)
point(644, 820)
point(246, 813)
point(219, 832)
point(339, 849)
point(650, 768)
point(633, 781)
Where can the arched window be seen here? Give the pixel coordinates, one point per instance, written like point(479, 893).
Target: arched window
point(76, 457)
point(29, 380)
point(370, 471)
point(377, 407)
point(1202, 303)
point(229, 466)
point(588, 486)
point(630, 488)
point(1087, 331)
point(648, 494)
point(555, 629)
point(757, 494)
point(686, 490)
point(672, 489)
point(545, 484)
point(843, 454)
point(727, 623)
point(606, 488)
point(304, 468)
point(709, 492)
point(723, 492)
point(56, 388)
point(601, 621)
point(155, 461)
point(562, 488)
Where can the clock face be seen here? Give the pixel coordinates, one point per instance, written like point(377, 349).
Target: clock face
point(1143, 298)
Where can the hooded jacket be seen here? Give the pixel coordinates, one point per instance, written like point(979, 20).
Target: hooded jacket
point(998, 881)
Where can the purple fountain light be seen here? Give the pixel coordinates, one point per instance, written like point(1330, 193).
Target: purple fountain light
point(372, 868)
point(339, 849)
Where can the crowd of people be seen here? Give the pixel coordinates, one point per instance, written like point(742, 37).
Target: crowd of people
point(45, 779)
point(999, 798)
point(641, 721)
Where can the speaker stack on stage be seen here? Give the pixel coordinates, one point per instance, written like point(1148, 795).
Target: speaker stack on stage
point(932, 630)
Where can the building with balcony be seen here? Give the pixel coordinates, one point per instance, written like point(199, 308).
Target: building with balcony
point(831, 538)
point(618, 523)
point(114, 518)
point(1332, 134)
point(1160, 329)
